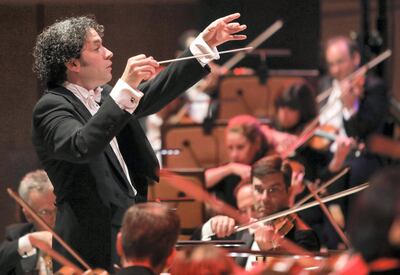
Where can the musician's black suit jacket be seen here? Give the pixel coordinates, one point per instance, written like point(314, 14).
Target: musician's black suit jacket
point(372, 108)
point(11, 263)
point(135, 270)
point(74, 148)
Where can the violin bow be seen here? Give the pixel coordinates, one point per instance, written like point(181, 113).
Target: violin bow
point(322, 186)
point(188, 187)
point(267, 33)
point(42, 223)
point(54, 254)
point(310, 129)
point(324, 209)
point(305, 206)
point(307, 134)
point(360, 71)
point(314, 193)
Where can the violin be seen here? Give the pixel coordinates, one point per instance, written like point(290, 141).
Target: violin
point(284, 225)
point(67, 270)
point(323, 138)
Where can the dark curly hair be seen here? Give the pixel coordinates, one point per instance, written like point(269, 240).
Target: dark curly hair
point(57, 44)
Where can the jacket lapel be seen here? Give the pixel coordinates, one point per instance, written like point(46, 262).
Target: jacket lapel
point(85, 116)
point(112, 158)
point(70, 97)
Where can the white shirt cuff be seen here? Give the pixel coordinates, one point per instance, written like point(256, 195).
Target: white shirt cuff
point(199, 46)
point(25, 248)
point(348, 113)
point(206, 231)
point(125, 96)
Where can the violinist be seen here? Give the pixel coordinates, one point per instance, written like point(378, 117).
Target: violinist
point(17, 254)
point(295, 107)
point(245, 144)
point(271, 179)
point(356, 108)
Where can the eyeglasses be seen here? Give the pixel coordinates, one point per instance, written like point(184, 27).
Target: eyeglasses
point(47, 212)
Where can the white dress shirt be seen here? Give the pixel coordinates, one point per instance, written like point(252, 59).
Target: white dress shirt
point(128, 98)
point(334, 112)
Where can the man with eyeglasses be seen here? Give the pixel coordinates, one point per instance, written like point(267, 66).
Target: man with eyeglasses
point(271, 179)
point(17, 255)
point(356, 108)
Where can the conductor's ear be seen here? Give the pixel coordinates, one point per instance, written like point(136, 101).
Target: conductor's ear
point(73, 65)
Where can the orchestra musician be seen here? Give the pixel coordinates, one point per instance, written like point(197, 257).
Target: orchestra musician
point(356, 108)
point(295, 110)
point(271, 179)
point(17, 254)
point(363, 102)
point(146, 242)
point(87, 135)
point(245, 144)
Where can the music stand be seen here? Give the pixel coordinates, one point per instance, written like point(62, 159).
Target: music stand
point(197, 148)
point(246, 95)
point(191, 212)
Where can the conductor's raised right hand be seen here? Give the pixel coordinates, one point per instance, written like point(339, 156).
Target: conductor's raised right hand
point(139, 68)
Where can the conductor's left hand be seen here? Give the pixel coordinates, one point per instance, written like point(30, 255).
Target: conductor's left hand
point(223, 30)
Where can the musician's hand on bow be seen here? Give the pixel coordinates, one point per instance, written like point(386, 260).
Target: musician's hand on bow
point(222, 226)
point(223, 30)
point(139, 68)
point(344, 145)
point(352, 91)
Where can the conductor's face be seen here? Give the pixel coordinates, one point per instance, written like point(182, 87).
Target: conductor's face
point(94, 63)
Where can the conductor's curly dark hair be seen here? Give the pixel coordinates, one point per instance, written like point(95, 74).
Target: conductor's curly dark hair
point(58, 44)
